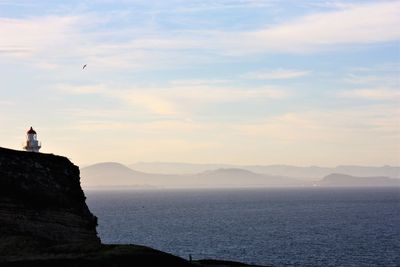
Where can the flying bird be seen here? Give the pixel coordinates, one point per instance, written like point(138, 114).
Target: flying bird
point(84, 66)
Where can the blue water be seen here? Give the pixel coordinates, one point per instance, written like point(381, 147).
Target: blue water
point(279, 227)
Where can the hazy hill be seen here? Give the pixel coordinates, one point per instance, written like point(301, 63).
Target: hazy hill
point(337, 179)
point(315, 172)
point(241, 177)
point(309, 173)
point(118, 175)
point(175, 167)
point(230, 172)
point(388, 171)
point(113, 167)
point(111, 174)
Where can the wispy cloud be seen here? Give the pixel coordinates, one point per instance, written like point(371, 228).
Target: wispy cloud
point(354, 24)
point(142, 55)
point(56, 38)
point(151, 127)
point(15, 3)
point(381, 68)
point(372, 94)
point(329, 126)
point(315, 135)
point(7, 103)
point(216, 5)
point(25, 37)
point(376, 82)
point(171, 98)
point(384, 75)
point(279, 74)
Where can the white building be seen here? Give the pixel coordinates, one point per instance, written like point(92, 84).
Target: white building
point(32, 144)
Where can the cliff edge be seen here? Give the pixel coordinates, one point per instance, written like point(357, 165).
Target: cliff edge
point(42, 206)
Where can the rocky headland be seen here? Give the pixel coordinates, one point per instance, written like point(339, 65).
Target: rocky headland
point(44, 220)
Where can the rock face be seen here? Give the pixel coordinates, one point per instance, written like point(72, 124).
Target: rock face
point(42, 206)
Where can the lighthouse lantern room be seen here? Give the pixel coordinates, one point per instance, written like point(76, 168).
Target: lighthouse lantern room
point(32, 144)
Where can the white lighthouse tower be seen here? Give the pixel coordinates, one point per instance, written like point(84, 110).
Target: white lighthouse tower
point(32, 144)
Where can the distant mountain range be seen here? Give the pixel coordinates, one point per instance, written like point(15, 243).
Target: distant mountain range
point(111, 174)
point(305, 173)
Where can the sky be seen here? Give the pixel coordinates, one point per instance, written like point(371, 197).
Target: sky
point(266, 82)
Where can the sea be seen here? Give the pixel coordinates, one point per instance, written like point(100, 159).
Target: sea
point(280, 227)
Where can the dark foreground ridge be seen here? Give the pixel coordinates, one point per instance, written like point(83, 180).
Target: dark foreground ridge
point(44, 220)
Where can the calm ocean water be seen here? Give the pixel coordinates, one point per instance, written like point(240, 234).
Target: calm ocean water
point(280, 227)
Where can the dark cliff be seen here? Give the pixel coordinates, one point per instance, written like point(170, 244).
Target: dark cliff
point(42, 206)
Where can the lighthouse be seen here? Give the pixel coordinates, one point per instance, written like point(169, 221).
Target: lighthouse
point(32, 144)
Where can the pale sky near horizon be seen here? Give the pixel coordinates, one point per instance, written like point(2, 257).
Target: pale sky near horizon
point(230, 81)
